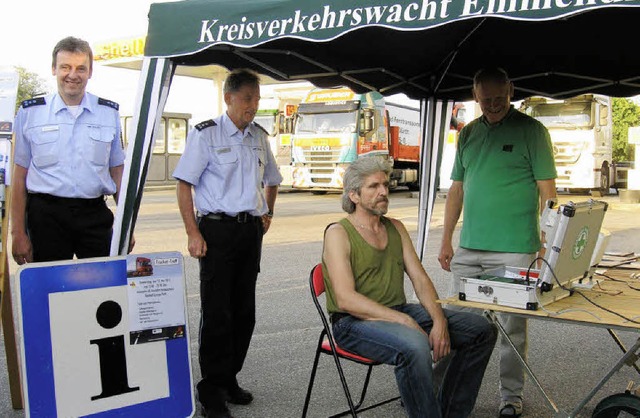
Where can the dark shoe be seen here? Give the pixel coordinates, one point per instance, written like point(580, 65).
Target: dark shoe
point(508, 410)
point(236, 395)
point(216, 412)
point(214, 406)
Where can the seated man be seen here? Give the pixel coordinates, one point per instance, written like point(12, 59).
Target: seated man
point(365, 257)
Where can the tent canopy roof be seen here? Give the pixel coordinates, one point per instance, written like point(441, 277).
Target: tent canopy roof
point(420, 48)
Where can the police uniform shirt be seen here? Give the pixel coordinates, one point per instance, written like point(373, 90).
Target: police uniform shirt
point(227, 167)
point(65, 155)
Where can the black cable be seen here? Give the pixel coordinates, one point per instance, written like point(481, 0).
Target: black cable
point(579, 292)
point(606, 309)
point(529, 270)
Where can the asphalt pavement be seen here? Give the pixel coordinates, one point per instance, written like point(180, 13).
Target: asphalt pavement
point(568, 360)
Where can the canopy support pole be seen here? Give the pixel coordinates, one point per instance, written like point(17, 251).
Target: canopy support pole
point(153, 90)
point(435, 119)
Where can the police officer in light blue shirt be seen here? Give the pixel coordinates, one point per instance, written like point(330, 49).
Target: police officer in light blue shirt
point(228, 167)
point(68, 156)
point(227, 161)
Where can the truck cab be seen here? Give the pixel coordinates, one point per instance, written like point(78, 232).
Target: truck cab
point(334, 127)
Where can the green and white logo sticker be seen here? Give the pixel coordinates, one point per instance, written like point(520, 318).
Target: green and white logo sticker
point(581, 243)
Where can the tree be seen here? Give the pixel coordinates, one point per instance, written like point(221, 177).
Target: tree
point(625, 113)
point(30, 85)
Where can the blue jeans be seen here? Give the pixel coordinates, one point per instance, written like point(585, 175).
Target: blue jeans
point(472, 338)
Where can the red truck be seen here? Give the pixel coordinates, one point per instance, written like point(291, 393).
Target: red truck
point(143, 268)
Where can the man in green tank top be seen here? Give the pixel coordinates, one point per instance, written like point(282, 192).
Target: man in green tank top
point(365, 258)
point(504, 170)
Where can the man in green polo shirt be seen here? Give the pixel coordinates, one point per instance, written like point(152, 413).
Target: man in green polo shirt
point(504, 171)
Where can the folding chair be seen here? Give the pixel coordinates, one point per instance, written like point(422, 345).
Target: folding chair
point(327, 345)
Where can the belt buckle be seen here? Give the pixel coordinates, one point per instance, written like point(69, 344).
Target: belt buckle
point(242, 217)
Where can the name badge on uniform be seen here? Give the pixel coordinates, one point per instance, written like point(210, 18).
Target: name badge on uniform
point(223, 150)
point(50, 128)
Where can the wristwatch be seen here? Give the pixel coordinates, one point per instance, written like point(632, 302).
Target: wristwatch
point(269, 214)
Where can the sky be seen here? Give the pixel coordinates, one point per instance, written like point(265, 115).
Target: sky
point(31, 28)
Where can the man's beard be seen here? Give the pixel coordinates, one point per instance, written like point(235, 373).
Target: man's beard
point(375, 210)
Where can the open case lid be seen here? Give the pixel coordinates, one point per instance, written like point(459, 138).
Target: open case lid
point(572, 241)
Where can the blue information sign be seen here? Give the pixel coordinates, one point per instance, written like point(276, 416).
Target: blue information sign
point(78, 355)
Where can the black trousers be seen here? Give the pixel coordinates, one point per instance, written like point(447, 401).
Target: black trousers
point(60, 228)
point(228, 275)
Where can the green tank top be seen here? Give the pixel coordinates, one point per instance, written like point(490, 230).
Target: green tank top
point(379, 274)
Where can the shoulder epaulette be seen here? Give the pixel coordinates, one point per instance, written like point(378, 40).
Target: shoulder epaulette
point(109, 103)
point(37, 101)
point(261, 128)
point(205, 124)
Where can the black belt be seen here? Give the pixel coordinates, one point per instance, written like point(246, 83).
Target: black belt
point(242, 217)
point(66, 200)
point(336, 316)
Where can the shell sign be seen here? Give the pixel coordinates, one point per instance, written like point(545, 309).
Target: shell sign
point(118, 49)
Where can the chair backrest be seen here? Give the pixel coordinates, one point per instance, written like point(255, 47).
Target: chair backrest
point(317, 280)
point(316, 283)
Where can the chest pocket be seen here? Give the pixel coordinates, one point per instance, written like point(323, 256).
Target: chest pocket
point(100, 139)
point(512, 155)
point(224, 161)
point(44, 146)
point(224, 156)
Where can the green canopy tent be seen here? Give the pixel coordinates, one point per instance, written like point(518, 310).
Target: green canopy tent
point(426, 49)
